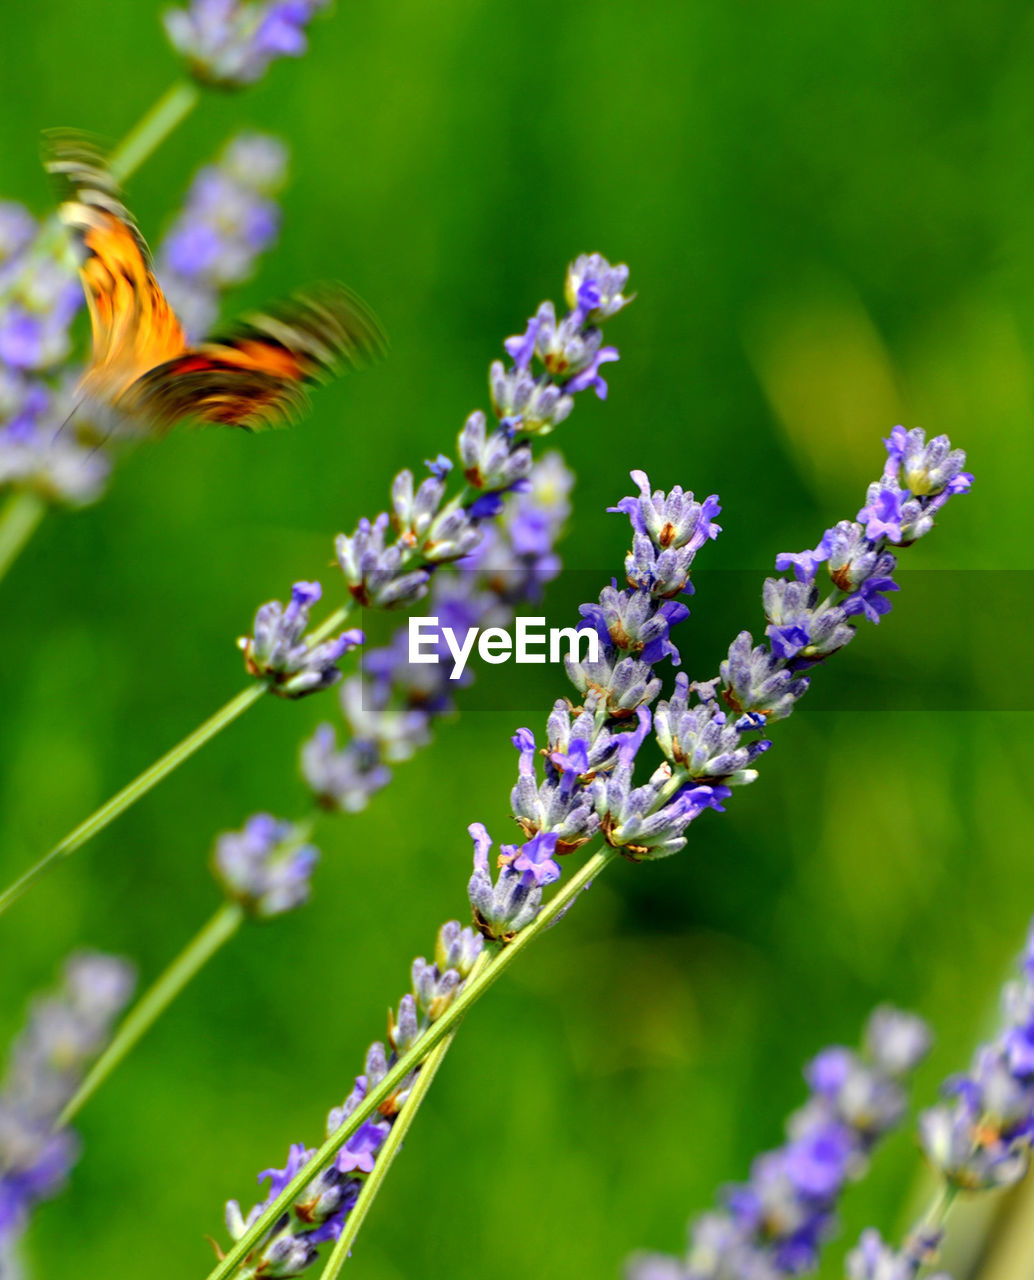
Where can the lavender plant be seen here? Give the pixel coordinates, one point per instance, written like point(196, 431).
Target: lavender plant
point(389, 562)
point(229, 219)
point(390, 707)
point(588, 787)
point(232, 43)
point(774, 1225)
point(977, 1140)
point(65, 1030)
point(265, 869)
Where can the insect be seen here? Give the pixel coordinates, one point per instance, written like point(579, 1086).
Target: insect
point(253, 376)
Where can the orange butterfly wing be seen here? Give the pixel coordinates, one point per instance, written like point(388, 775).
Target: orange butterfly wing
point(254, 377)
point(257, 375)
point(134, 328)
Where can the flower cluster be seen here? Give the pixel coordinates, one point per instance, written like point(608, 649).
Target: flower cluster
point(773, 1225)
point(980, 1136)
point(229, 218)
point(586, 784)
point(231, 43)
point(279, 652)
point(586, 781)
point(39, 297)
point(391, 572)
point(389, 708)
point(266, 866)
point(65, 1031)
point(319, 1213)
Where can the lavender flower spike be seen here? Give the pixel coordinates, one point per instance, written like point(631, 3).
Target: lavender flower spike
point(319, 1213)
point(229, 218)
point(39, 297)
point(978, 1139)
point(390, 707)
point(773, 1225)
point(552, 362)
point(231, 43)
point(587, 780)
point(266, 866)
point(66, 1029)
point(279, 653)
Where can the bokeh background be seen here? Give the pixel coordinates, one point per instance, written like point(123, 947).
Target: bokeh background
point(826, 208)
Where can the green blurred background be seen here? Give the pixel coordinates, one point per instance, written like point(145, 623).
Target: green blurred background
point(826, 208)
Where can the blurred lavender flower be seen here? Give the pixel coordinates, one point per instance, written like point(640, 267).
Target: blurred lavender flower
point(266, 866)
point(39, 294)
point(431, 531)
point(320, 1211)
point(39, 297)
point(231, 43)
point(979, 1138)
point(278, 651)
point(229, 219)
point(773, 1225)
point(874, 1259)
point(48, 1060)
point(390, 708)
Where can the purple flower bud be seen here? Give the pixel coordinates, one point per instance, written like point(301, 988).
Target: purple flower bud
point(502, 907)
point(266, 866)
point(278, 651)
point(231, 43)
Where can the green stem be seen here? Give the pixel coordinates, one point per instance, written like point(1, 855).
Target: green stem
point(20, 515)
point(149, 1008)
point(133, 791)
point(390, 1149)
point(473, 989)
point(171, 109)
point(146, 781)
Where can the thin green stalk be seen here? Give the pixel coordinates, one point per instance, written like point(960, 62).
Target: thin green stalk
point(149, 1008)
point(19, 516)
point(390, 1149)
point(146, 781)
point(473, 989)
point(133, 791)
point(171, 109)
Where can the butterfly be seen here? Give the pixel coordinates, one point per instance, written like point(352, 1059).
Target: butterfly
point(142, 366)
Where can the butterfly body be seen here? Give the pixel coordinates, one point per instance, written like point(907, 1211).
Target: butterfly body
point(143, 367)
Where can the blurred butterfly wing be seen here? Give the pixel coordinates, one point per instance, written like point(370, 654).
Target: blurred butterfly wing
point(134, 328)
point(257, 375)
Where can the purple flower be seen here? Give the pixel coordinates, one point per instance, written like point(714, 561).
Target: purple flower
point(594, 288)
point(503, 906)
point(267, 866)
point(672, 519)
point(65, 1031)
point(229, 219)
point(390, 707)
point(278, 651)
point(232, 42)
point(321, 1208)
point(773, 1226)
point(980, 1136)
